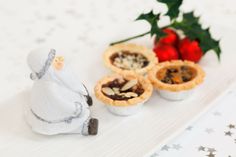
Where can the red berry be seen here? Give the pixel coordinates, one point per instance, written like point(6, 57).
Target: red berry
point(190, 50)
point(171, 38)
point(166, 53)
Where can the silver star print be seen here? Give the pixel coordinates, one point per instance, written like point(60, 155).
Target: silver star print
point(217, 113)
point(177, 146)
point(189, 128)
point(211, 150)
point(154, 155)
point(211, 155)
point(209, 130)
point(228, 133)
point(231, 126)
point(165, 147)
point(201, 148)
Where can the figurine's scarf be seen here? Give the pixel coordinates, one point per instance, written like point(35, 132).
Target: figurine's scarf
point(77, 114)
point(46, 66)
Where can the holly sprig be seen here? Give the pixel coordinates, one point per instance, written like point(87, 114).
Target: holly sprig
point(189, 24)
point(173, 7)
point(152, 19)
point(192, 28)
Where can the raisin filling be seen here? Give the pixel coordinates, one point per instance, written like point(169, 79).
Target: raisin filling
point(176, 74)
point(129, 61)
point(121, 89)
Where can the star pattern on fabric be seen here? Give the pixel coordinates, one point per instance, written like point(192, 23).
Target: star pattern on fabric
point(189, 128)
point(201, 148)
point(176, 146)
point(211, 150)
point(231, 126)
point(154, 155)
point(228, 133)
point(217, 113)
point(209, 130)
point(165, 148)
point(211, 155)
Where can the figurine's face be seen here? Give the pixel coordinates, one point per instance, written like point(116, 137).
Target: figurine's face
point(58, 62)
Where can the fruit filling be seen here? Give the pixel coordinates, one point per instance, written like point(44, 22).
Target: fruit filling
point(176, 74)
point(129, 61)
point(121, 89)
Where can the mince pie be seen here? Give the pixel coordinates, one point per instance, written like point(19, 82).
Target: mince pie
point(176, 76)
point(123, 94)
point(129, 57)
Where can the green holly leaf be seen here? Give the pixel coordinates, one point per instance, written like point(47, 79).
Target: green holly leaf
point(192, 28)
point(152, 19)
point(173, 7)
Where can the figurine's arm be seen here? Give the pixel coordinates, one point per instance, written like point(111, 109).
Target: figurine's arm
point(89, 98)
point(75, 85)
point(82, 90)
point(63, 98)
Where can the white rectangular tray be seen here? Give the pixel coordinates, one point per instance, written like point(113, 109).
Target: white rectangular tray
point(132, 136)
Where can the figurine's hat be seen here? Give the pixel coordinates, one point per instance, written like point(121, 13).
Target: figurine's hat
point(39, 61)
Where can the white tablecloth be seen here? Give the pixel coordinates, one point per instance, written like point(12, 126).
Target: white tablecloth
point(213, 135)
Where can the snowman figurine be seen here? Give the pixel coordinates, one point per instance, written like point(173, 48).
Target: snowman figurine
point(59, 102)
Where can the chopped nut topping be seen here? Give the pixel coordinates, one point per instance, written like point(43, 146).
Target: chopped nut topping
point(129, 61)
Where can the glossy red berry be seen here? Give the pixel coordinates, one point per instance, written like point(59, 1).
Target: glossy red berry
point(171, 38)
point(166, 52)
point(190, 50)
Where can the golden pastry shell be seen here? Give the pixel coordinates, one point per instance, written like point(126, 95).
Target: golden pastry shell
point(132, 48)
point(158, 84)
point(145, 83)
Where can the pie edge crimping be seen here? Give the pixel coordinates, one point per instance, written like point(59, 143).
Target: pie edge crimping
point(132, 48)
point(158, 84)
point(146, 85)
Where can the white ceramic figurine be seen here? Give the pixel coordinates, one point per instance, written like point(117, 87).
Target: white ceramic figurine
point(59, 102)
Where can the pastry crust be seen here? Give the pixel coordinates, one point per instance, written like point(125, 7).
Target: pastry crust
point(145, 83)
point(158, 84)
point(132, 48)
